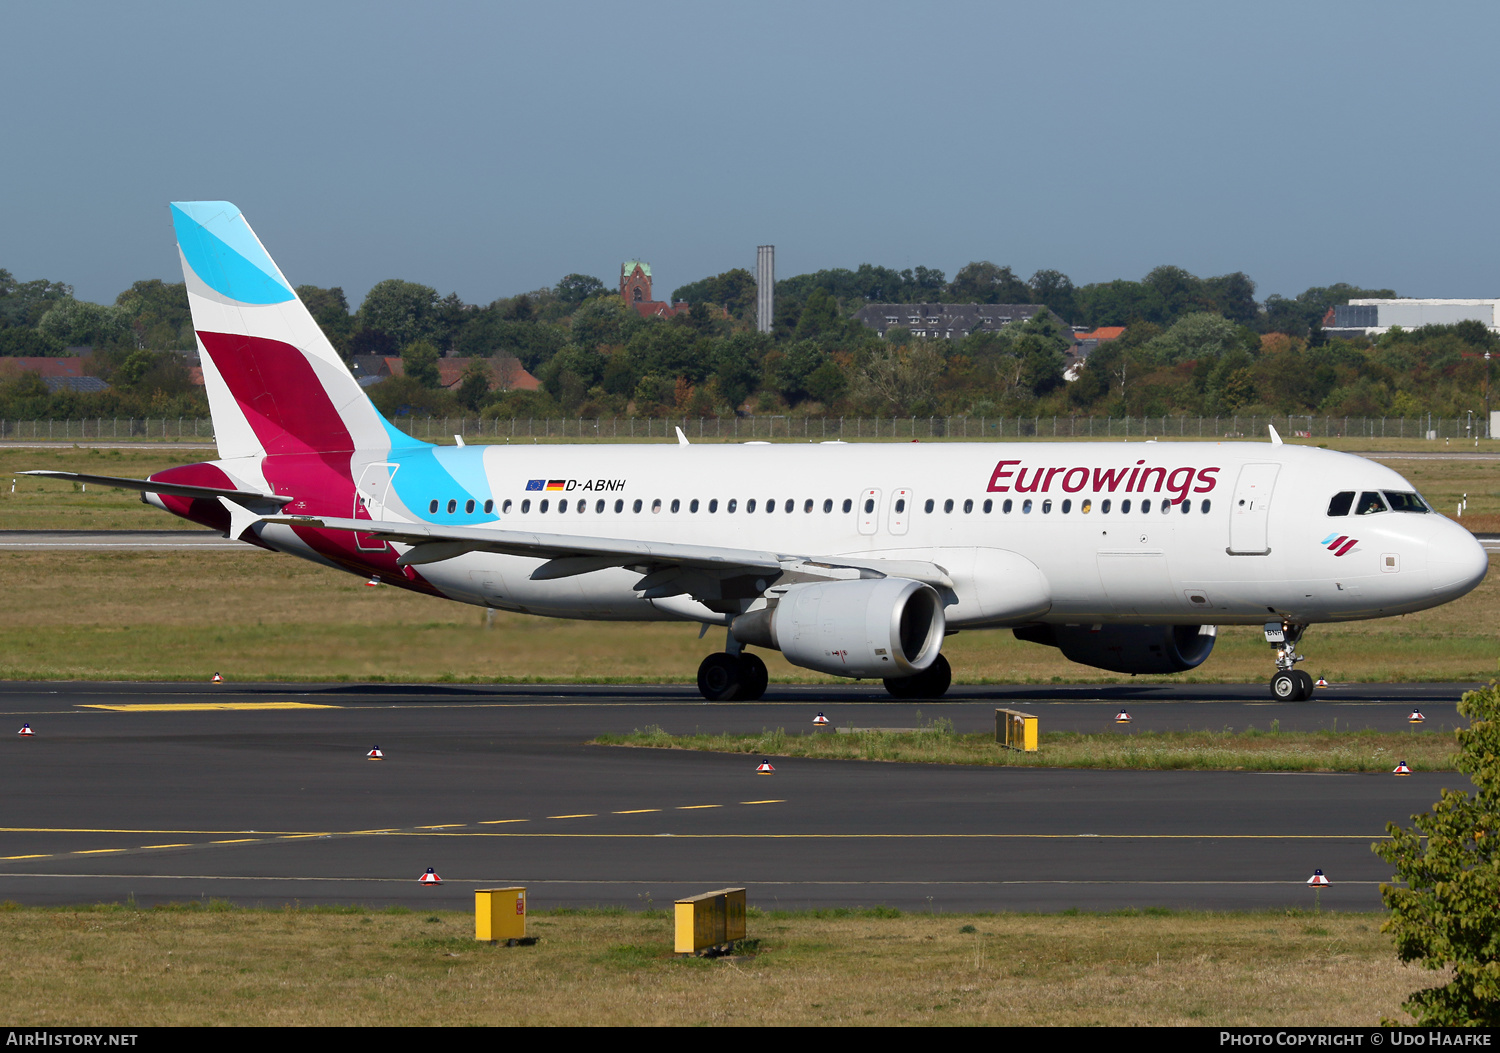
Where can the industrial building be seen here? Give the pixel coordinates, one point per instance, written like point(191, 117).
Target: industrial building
point(1374, 317)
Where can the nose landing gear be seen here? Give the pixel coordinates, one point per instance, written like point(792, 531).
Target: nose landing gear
point(1289, 684)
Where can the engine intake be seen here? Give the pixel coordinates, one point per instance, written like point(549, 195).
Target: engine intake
point(876, 628)
point(1128, 648)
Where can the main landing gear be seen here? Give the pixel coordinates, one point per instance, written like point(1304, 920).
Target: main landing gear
point(1289, 684)
point(932, 682)
point(726, 677)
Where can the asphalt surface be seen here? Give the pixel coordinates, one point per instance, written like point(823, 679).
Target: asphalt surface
point(495, 786)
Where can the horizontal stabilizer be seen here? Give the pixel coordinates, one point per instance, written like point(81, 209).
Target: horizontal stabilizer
point(171, 489)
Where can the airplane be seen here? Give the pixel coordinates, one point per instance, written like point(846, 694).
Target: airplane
point(856, 560)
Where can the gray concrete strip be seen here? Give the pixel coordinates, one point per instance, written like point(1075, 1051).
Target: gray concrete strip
point(121, 540)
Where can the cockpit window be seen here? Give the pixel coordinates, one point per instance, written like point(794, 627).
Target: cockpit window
point(1370, 503)
point(1341, 502)
point(1406, 502)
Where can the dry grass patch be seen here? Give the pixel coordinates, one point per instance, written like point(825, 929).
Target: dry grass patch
point(1249, 750)
point(127, 967)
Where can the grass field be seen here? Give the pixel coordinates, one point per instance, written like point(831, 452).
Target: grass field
point(207, 964)
point(1248, 748)
point(253, 615)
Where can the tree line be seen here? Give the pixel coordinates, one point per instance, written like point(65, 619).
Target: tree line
point(1190, 346)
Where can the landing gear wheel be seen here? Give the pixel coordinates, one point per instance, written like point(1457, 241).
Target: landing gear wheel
point(1285, 688)
point(753, 677)
point(720, 678)
point(1304, 685)
point(932, 682)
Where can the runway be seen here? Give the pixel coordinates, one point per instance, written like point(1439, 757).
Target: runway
point(262, 794)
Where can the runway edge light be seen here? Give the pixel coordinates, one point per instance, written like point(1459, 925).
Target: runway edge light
point(217, 679)
point(431, 878)
point(375, 754)
point(1122, 717)
point(820, 720)
point(764, 768)
point(1416, 717)
point(1317, 880)
point(1401, 768)
point(25, 731)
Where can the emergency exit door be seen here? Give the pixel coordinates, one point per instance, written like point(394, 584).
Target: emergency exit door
point(1249, 515)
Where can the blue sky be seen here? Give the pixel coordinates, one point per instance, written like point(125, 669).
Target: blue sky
point(489, 148)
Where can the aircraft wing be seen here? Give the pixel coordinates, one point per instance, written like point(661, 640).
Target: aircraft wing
point(706, 572)
point(171, 489)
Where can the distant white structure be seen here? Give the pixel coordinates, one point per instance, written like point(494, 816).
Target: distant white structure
point(765, 287)
point(1374, 317)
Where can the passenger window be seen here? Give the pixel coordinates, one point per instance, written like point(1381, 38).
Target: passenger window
point(1205, 505)
point(848, 505)
point(1026, 507)
point(1104, 507)
point(968, 505)
point(948, 505)
point(900, 504)
point(562, 506)
point(619, 506)
point(1187, 506)
point(869, 505)
point(1086, 507)
point(1047, 507)
point(771, 505)
point(1007, 506)
point(1125, 505)
point(1146, 505)
point(526, 505)
point(504, 508)
point(452, 506)
point(807, 506)
point(489, 506)
point(676, 504)
point(928, 506)
point(1341, 503)
point(790, 505)
point(733, 504)
point(432, 507)
point(713, 505)
point(1067, 506)
point(1370, 503)
point(656, 506)
point(543, 506)
point(599, 506)
point(693, 505)
point(827, 505)
point(750, 505)
point(636, 507)
point(469, 507)
point(989, 506)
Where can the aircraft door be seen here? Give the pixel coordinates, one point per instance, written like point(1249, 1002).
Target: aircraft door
point(901, 510)
point(370, 496)
point(1249, 515)
point(869, 511)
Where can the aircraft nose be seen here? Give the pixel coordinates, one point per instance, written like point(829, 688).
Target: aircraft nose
point(1456, 562)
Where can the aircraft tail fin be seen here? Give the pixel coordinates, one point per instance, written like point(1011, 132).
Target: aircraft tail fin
point(275, 384)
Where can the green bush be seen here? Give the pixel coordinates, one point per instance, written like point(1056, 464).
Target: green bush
point(1446, 914)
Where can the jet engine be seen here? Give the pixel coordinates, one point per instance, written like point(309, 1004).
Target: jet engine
point(1127, 648)
point(873, 627)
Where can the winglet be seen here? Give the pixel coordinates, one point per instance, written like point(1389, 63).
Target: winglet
point(241, 518)
point(681, 438)
point(1275, 435)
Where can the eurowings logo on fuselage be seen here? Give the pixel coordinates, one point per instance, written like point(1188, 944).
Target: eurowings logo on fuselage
point(1339, 544)
point(1130, 480)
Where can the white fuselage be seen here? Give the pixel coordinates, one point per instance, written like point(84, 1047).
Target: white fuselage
point(1215, 533)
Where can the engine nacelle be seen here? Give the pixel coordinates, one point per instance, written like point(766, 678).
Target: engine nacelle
point(874, 627)
point(1128, 648)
